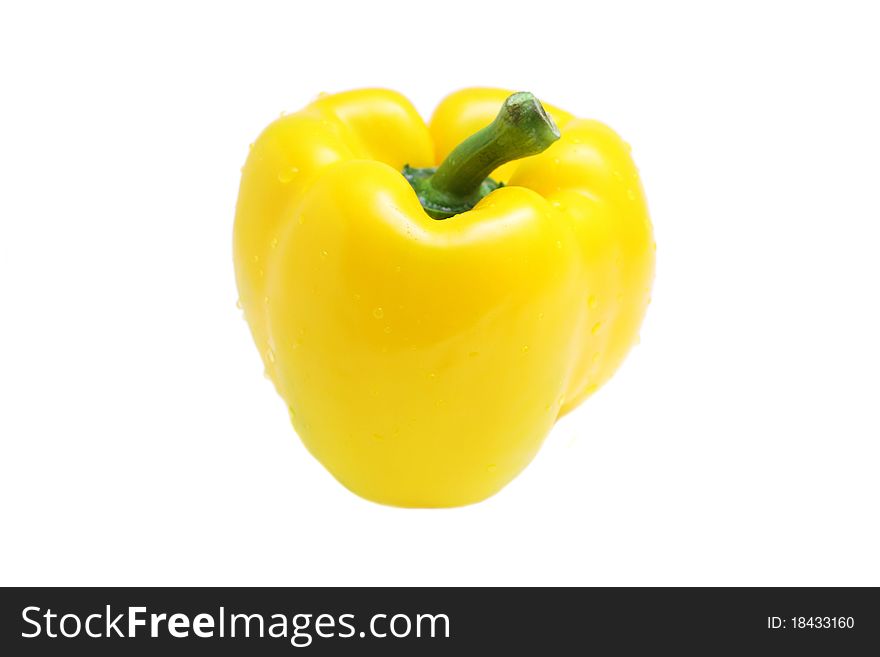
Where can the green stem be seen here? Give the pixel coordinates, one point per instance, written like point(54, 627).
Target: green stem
point(522, 128)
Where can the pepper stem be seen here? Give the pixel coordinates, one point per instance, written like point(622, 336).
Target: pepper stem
point(522, 128)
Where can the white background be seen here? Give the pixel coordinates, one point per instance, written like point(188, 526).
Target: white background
point(737, 445)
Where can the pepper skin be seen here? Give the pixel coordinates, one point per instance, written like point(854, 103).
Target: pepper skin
point(423, 361)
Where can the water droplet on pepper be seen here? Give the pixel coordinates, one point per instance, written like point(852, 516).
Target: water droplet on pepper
point(286, 175)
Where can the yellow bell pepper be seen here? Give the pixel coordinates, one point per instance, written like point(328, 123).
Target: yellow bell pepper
point(426, 327)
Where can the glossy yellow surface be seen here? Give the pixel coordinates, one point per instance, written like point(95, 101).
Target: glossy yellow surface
point(424, 361)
